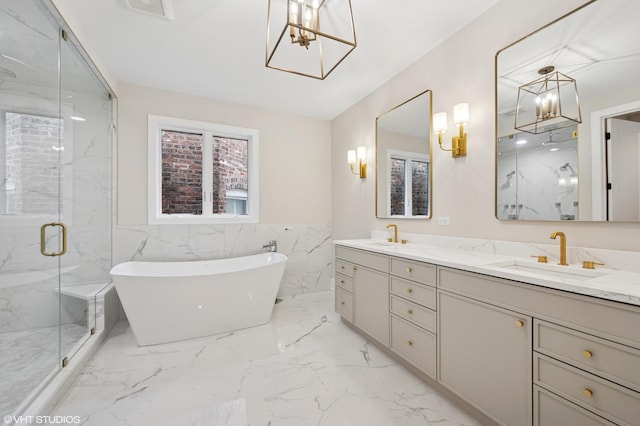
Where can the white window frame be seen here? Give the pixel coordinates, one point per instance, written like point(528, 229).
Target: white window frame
point(408, 157)
point(156, 124)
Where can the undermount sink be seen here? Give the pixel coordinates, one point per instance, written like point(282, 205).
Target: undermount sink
point(556, 271)
point(381, 243)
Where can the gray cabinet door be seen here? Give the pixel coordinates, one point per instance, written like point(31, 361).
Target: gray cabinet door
point(485, 357)
point(371, 303)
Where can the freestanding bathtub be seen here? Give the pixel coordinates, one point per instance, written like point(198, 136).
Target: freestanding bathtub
point(171, 301)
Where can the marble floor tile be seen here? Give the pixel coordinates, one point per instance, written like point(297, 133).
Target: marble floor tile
point(303, 368)
point(28, 357)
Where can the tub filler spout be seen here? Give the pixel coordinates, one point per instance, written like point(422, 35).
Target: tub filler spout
point(272, 246)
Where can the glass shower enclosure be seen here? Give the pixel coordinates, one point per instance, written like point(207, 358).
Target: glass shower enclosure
point(56, 142)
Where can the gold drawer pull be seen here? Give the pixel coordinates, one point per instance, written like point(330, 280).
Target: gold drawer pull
point(410, 343)
point(342, 303)
point(588, 393)
point(409, 270)
point(587, 354)
point(409, 290)
point(519, 323)
point(409, 311)
point(341, 281)
point(341, 266)
point(355, 269)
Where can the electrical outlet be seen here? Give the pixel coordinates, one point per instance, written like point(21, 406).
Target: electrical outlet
point(444, 220)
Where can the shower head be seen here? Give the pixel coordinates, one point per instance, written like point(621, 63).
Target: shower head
point(567, 166)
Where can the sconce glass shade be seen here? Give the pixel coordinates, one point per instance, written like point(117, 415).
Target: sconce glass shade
point(362, 153)
point(351, 156)
point(461, 114)
point(440, 122)
point(548, 103)
point(309, 37)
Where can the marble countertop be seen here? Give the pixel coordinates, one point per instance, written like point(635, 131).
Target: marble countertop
point(610, 284)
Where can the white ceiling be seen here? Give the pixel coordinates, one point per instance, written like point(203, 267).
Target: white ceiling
point(216, 49)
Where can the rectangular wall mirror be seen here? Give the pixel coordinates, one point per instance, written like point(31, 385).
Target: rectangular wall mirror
point(568, 118)
point(403, 160)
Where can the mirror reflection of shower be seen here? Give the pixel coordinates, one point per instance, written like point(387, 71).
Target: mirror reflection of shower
point(537, 176)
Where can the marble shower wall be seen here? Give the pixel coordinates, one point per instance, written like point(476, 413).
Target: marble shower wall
point(538, 184)
point(307, 246)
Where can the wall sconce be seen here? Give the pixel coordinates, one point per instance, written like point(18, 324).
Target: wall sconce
point(548, 103)
point(359, 155)
point(460, 119)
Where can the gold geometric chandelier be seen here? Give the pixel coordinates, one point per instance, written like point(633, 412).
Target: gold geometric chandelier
point(548, 103)
point(309, 37)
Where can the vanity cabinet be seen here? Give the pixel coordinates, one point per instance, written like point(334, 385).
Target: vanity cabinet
point(362, 291)
point(582, 362)
point(413, 314)
point(519, 353)
point(485, 357)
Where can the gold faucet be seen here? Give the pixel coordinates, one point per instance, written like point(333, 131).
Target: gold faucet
point(395, 231)
point(563, 246)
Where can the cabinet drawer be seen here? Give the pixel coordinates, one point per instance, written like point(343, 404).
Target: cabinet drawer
point(345, 282)
point(604, 398)
point(379, 262)
point(607, 359)
point(414, 344)
point(344, 304)
point(344, 268)
point(415, 292)
point(425, 318)
point(551, 410)
point(604, 318)
point(424, 273)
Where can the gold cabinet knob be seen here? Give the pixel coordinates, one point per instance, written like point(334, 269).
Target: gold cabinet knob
point(519, 323)
point(355, 269)
point(588, 393)
point(409, 270)
point(409, 311)
point(342, 303)
point(341, 266)
point(410, 343)
point(587, 354)
point(341, 281)
point(409, 290)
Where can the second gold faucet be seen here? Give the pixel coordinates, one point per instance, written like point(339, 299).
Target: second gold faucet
point(563, 246)
point(395, 231)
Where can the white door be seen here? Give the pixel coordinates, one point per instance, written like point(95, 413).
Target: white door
point(623, 170)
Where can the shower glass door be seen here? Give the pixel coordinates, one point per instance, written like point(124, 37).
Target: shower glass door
point(86, 108)
point(31, 132)
point(56, 138)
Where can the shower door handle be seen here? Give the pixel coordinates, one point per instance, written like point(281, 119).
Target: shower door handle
point(43, 239)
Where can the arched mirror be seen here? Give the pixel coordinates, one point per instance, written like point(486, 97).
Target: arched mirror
point(403, 160)
point(568, 118)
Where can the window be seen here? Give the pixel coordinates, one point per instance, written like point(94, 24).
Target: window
point(408, 176)
point(35, 168)
point(202, 172)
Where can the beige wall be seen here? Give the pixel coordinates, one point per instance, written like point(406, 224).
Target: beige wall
point(66, 9)
point(460, 70)
point(295, 154)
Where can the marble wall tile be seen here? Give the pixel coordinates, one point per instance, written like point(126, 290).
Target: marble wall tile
point(307, 246)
